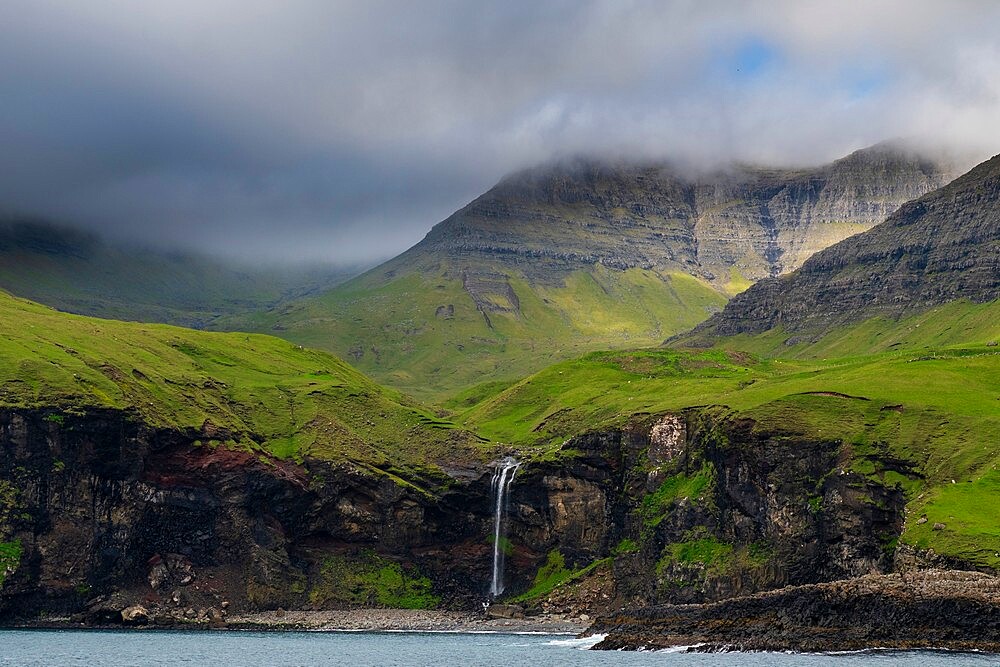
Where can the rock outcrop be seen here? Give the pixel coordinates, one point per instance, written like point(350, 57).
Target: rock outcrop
point(719, 508)
point(936, 609)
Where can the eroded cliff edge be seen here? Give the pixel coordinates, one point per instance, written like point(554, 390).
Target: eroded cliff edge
point(696, 506)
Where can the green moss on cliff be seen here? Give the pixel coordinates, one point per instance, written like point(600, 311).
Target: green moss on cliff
point(625, 546)
point(655, 506)
point(10, 559)
point(370, 580)
point(714, 557)
point(554, 573)
point(700, 558)
point(705, 551)
point(550, 574)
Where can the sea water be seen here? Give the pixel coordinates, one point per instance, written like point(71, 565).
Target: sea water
point(63, 648)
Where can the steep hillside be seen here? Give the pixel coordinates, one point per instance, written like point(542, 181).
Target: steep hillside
point(82, 273)
point(939, 248)
point(577, 256)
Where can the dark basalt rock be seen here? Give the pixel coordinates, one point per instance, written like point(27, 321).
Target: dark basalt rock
point(780, 505)
point(104, 506)
point(935, 609)
point(111, 514)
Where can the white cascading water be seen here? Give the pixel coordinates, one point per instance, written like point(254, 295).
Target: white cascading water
point(502, 478)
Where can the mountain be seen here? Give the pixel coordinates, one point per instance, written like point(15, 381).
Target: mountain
point(725, 227)
point(80, 272)
point(940, 248)
point(152, 474)
point(582, 255)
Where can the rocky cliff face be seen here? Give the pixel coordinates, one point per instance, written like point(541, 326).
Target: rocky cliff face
point(704, 506)
point(732, 225)
point(941, 247)
point(697, 506)
point(106, 513)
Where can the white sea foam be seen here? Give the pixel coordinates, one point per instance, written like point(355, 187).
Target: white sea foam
point(582, 643)
point(678, 649)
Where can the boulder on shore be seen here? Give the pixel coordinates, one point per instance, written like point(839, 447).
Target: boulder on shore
point(135, 615)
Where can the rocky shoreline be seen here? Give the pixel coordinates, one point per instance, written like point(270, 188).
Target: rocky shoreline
point(935, 610)
point(402, 620)
point(946, 610)
point(350, 620)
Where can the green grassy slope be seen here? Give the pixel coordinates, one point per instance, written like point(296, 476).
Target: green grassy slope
point(932, 400)
point(422, 332)
point(253, 391)
point(954, 323)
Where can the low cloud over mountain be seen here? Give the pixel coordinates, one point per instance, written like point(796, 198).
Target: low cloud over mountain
point(344, 130)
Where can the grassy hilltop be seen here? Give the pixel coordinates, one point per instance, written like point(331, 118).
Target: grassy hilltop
point(241, 390)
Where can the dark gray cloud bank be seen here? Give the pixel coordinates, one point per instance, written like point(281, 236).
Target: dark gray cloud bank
point(342, 130)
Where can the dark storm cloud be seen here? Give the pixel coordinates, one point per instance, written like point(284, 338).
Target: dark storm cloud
point(344, 130)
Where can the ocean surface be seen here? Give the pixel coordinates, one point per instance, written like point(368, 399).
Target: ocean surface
point(62, 648)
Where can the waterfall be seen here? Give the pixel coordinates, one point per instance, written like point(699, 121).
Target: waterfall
point(502, 478)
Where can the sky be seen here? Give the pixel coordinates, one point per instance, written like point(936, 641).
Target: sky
point(341, 131)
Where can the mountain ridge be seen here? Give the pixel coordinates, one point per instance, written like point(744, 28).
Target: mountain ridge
point(939, 248)
point(672, 204)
